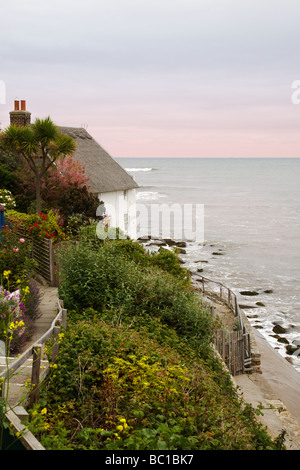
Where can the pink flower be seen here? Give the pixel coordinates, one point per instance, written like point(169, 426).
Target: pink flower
point(16, 250)
point(22, 240)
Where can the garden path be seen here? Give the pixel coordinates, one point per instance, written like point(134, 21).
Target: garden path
point(47, 312)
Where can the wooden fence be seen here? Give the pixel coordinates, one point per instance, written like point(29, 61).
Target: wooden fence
point(42, 252)
point(233, 346)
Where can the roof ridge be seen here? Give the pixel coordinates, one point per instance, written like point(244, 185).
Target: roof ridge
point(106, 175)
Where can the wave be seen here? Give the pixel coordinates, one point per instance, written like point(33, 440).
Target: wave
point(139, 169)
point(149, 195)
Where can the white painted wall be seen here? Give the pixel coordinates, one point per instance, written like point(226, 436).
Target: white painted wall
point(121, 208)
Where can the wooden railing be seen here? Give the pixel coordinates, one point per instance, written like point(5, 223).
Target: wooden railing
point(233, 346)
point(38, 374)
point(36, 353)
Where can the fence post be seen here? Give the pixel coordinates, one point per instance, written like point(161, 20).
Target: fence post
point(236, 306)
point(35, 375)
point(55, 347)
point(51, 263)
point(64, 318)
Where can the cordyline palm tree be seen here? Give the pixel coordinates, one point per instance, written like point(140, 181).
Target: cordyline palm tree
point(40, 145)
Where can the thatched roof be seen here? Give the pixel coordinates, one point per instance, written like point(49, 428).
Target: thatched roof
point(105, 173)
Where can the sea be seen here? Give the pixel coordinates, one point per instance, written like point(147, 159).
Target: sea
point(248, 211)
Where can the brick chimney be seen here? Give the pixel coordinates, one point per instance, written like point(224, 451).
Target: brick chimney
point(20, 117)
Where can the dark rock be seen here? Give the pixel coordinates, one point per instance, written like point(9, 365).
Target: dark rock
point(217, 253)
point(200, 270)
point(260, 304)
point(282, 340)
point(181, 244)
point(244, 306)
point(158, 243)
point(279, 329)
point(249, 292)
point(290, 349)
point(169, 241)
point(268, 291)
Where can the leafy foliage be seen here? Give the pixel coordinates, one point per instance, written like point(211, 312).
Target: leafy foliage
point(38, 226)
point(15, 257)
point(7, 199)
point(107, 278)
point(119, 386)
point(135, 369)
point(39, 145)
point(64, 187)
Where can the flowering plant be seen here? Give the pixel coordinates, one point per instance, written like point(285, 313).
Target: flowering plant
point(16, 262)
point(39, 226)
point(7, 199)
point(14, 324)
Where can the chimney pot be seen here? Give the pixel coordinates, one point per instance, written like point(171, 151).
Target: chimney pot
point(20, 117)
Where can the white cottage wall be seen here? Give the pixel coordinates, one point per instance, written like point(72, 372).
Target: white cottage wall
point(120, 206)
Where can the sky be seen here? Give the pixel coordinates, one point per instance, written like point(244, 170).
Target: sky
point(158, 78)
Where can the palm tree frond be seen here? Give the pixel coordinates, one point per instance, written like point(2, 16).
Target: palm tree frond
point(65, 144)
point(45, 130)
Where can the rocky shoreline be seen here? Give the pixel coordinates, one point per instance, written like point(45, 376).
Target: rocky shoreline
point(248, 299)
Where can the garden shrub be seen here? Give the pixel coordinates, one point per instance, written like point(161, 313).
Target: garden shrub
point(15, 257)
point(7, 199)
point(15, 325)
point(64, 187)
point(7, 178)
point(104, 279)
point(20, 295)
point(166, 260)
point(32, 299)
point(18, 309)
point(135, 369)
point(38, 226)
point(117, 387)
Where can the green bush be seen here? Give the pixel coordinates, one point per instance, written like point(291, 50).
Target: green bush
point(135, 369)
point(15, 257)
point(116, 386)
point(7, 199)
point(38, 226)
point(107, 278)
point(164, 259)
